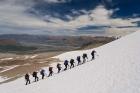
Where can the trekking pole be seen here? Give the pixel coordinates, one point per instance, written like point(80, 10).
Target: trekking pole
point(97, 55)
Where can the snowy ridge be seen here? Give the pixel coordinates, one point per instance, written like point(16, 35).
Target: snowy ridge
point(115, 70)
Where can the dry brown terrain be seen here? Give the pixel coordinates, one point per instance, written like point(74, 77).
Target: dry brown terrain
point(14, 66)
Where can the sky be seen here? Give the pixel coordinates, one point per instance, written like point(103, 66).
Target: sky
point(69, 17)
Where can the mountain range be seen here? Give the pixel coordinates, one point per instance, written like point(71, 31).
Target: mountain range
point(43, 43)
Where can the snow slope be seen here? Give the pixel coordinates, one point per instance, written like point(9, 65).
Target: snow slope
point(115, 70)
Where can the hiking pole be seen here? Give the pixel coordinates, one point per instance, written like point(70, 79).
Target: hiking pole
point(96, 54)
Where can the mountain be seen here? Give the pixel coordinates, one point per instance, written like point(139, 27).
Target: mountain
point(45, 43)
point(7, 42)
point(12, 45)
point(116, 69)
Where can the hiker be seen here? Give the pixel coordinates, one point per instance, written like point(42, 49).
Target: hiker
point(79, 60)
point(59, 67)
point(66, 63)
point(42, 72)
point(35, 76)
point(72, 63)
point(27, 78)
point(84, 57)
point(93, 54)
point(50, 71)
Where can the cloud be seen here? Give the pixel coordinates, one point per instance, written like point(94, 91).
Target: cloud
point(120, 31)
point(15, 18)
point(15, 15)
point(102, 17)
point(57, 1)
point(97, 17)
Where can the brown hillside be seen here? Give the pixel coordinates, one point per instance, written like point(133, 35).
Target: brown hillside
point(7, 42)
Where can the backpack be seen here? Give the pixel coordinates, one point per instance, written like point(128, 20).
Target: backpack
point(66, 62)
point(42, 72)
point(26, 76)
point(58, 65)
point(72, 61)
point(92, 53)
point(50, 68)
point(34, 74)
point(78, 58)
point(84, 55)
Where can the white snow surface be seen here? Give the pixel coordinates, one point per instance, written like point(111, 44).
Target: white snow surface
point(115, 70)
point(3, 79)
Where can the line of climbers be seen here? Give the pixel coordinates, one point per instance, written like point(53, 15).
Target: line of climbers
point(58, 66)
